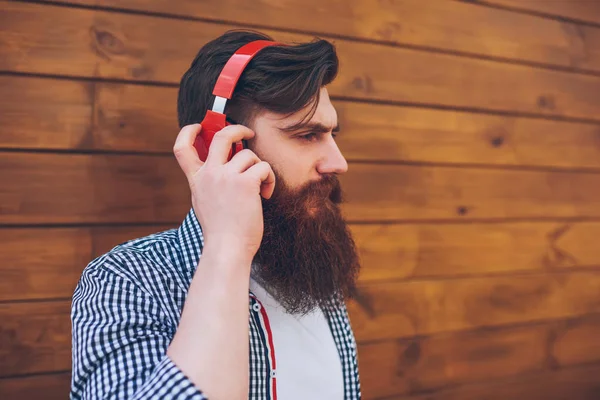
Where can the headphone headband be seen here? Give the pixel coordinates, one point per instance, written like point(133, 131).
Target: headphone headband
point(233, 69)
point(215, 119)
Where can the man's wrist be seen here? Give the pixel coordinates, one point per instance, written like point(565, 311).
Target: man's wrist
point(225, 252)
point(224, 261)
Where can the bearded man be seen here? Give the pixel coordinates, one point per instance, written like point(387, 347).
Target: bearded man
point(246, 299)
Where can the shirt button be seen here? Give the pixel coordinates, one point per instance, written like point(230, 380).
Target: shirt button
point(256, 307)
point(273, 374)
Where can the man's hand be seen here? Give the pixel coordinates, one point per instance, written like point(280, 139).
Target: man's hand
point(226, 195)
point(211, 345)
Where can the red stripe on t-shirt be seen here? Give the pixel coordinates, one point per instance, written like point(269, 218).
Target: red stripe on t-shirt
point(272, 347)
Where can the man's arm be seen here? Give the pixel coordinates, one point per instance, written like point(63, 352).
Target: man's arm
point(120, 338)
point(214, 324)
point(226, 197)
point(125, 347)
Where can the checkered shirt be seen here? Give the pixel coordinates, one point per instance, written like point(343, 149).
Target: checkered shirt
point(125, 312)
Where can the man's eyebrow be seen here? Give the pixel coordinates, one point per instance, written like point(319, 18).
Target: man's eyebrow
point(315, 127)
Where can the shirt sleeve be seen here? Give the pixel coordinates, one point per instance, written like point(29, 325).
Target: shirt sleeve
point(120, 338)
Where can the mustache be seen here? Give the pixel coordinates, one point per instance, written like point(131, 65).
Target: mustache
point(328, 187)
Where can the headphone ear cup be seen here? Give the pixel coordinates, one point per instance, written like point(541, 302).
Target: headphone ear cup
point(236, 148)
point(200, 144)
point(212, 123)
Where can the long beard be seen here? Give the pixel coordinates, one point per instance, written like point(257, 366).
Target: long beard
point(307, 256)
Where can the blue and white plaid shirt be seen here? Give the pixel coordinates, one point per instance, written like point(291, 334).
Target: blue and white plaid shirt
point(126, 310)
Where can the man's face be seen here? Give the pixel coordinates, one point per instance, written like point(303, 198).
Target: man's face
point(307, 254)
point(301, 156)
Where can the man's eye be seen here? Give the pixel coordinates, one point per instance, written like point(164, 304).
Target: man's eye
point(309, 136)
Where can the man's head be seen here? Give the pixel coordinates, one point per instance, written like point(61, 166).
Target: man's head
point(307, 254)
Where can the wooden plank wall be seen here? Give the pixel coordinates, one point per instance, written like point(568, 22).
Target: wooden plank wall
point(473, 134)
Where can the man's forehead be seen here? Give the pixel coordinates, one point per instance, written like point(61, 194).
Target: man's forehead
point(325, 114)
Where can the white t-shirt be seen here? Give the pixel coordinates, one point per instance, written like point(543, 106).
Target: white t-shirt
point(308, 363)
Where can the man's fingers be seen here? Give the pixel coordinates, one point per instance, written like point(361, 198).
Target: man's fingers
point(263, 173)
point(243, 160)
point(184, 150)
point(223, 140)
point(246, 161)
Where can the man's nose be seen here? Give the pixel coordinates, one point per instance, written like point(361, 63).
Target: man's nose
point(332, 161)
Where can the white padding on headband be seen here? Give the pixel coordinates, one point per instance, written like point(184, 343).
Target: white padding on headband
point(219, 105)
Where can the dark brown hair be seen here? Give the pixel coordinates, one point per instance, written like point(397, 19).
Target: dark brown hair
point(280, 79)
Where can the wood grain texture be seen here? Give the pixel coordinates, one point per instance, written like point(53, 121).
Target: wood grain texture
point(463, 27)
point(51, 387)
point(579, 383)
point(46, 263)
point(42, 263)
point(60, 114)
point(398, 192)
point(45, 113)
point(133, 47)
point(421, 251)
point(135, 118)
point(574, 341)
point(57, 114)
point(403, 309)
point(428, 364)
point(431, 363)
point(133, 189)
point(378, 132)
point(35, 337)
point(63, 188)
point(583, 10)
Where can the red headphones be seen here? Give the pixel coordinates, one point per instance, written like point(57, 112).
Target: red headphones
point(215, 119)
